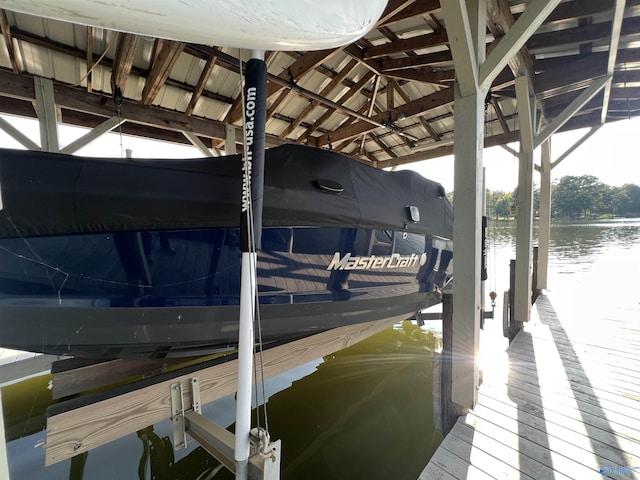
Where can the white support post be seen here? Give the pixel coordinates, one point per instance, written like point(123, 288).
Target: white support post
point(46, 108)
point(544, 219)
point(467, 18)
point(467, 226)
point(524, 205)
point(90, 136)
point(4, 462)
point(18, 136)
point(199, 144)
point(230, 140)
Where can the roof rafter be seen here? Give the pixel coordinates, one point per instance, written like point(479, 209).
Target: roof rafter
point(167, 53)
point(123, 61)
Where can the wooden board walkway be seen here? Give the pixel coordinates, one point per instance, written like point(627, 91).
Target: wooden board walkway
point(567, 405)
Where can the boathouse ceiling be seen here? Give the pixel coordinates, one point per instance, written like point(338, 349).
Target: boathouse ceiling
point(386, 99)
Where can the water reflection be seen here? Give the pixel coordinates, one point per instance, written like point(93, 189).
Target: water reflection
point(363, 412)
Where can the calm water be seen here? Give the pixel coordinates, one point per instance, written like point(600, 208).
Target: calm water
point(364, 412)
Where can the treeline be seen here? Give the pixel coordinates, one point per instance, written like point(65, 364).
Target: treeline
point(574, 197)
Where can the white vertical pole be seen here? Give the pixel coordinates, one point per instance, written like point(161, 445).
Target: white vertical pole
point(245, 363)
point(544, 221)
point(46, 106)
point(484, 252)
point(4, 463)
point(254, 108)
point(524, 205)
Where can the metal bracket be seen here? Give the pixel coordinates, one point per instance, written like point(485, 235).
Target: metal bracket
point(177, 417)
point(264, 462)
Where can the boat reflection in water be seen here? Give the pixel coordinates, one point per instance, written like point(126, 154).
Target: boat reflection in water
point(363, 412)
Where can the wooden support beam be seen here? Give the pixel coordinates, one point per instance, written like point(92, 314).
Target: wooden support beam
point(72, 432)
point(89, 41)
point(409, 110)
point(616, 27)
point(526, 112)
point(407, 45)
point(423, 74)
point(500, 21)
point(79, 100)
point(544, 216)
point(167, 55)
point(47, 115)
point(573, 147)
point(343, 97)
point(515, 38)
point(573, 107)
point(500, 115)
point(8, 41)
point(18, 136)
point(524, 218)
point(418, 7)
point(335, 81)
point(376, 85)
point(90, 136)
point(466, 42)
point(202, 82)
point(199, 144)
point(297, 69)
point(123, 61)
point(426, 60)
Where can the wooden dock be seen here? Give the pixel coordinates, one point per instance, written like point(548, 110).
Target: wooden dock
point(566, 405)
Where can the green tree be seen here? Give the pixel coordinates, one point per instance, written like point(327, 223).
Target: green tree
point(625, 200)
point(499, 204)
point(578, 196)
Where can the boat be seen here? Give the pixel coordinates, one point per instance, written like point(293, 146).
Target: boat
point(126, 258)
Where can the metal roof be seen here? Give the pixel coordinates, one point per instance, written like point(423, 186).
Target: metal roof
point(400, 75)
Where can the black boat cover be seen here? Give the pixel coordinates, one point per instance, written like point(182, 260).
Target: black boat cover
point(51, 194)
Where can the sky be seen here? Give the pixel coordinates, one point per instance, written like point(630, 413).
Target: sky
point(612, 154)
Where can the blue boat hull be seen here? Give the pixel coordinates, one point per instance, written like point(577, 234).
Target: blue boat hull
point(176, 292)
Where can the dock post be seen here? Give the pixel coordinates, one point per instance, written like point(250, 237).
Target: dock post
point(524, 218)
point(466, 22)
point(447, 412)
point(544, 216)
point(4, 462)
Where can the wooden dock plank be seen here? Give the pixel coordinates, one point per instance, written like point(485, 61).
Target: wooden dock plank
point(566, 406)
point(82, 429)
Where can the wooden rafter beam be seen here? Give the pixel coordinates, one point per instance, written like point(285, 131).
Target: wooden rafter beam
point(500, 115)
point(8, 41)
point(597, 33)
point(500, 21)
point(513, 40)
point(167, 53)
point(297, 69)
point(428, 59)
point(616, 26)
point(372, 104)
point(447, 149)
point(406, 45)
point(343, 97)
point(89, 58)
point(409, 110)
point(335, 81)
point(568, 77)
point(123, 61)
point(202, 82)
point(423, 74)
point(418, 7)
